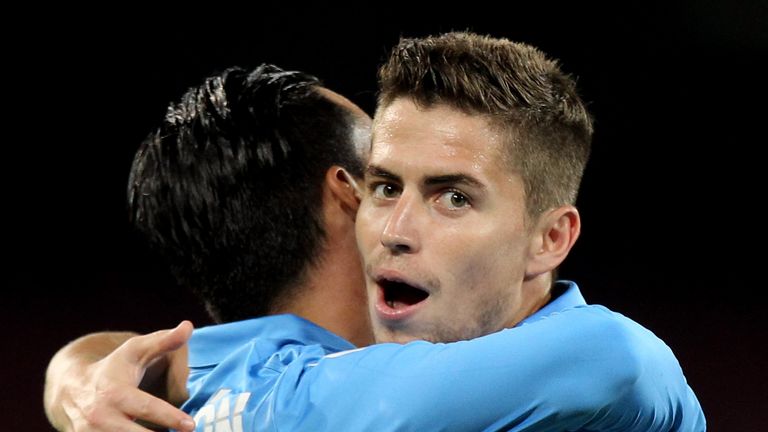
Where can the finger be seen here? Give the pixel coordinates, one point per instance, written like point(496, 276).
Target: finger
point(143, 406)
point(99, 419)
point(143, 350)
point(178, 336)
point(116, 424)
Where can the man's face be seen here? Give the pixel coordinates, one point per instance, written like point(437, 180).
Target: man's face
point(441, 227)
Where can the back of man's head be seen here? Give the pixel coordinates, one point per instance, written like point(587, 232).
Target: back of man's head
point(229, 188)
point(518, 88)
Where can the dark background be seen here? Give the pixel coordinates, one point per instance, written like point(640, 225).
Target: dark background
point(674, 231)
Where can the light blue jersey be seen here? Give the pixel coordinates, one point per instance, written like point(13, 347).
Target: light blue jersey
point(569, 367)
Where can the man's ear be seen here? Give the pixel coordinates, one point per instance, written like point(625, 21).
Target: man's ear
point(552, 239)
point(339, 183)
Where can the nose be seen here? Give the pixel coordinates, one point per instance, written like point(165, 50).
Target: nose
point(400, 234)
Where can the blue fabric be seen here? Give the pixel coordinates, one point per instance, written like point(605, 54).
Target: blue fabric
point(568, 367)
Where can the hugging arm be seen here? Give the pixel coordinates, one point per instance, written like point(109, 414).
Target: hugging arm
point(92, 384)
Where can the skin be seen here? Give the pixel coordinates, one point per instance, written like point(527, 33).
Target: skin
point(444, 212)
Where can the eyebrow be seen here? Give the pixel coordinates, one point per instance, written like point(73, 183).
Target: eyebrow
point(454, 179)
point(377, 171)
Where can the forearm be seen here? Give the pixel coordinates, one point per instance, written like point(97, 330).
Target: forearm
point(70, 363)
point(573, 370)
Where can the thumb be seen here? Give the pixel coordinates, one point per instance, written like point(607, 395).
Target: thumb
point(143, 350)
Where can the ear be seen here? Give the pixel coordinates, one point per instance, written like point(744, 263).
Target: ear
point(341, 190)
point(552, 239)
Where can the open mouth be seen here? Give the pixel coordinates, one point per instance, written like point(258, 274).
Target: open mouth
point(399, 295)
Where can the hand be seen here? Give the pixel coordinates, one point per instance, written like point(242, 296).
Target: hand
point(104, 395)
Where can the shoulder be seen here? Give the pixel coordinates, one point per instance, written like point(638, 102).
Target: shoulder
point(633, 344)
point(597, 324)
point(617, 352)
point(632, 367)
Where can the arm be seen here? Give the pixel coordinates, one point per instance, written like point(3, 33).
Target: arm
point(92, 383)
point(579, 369)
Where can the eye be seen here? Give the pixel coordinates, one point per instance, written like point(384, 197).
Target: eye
point(453, 200)
point(385, 191)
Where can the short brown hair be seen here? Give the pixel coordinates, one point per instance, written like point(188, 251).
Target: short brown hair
point(520, 90)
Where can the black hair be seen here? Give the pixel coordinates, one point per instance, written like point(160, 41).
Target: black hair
point(229, 188)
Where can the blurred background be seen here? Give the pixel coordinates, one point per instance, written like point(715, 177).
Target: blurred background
point(671, 202)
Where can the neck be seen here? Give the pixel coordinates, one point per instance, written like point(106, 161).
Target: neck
point(536, 293)
point(332, 295)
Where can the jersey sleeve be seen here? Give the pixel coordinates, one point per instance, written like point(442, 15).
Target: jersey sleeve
point(582, 368)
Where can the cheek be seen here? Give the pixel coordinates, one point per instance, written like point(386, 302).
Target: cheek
point(366, 229)
point(489, 261)
point(466, 261)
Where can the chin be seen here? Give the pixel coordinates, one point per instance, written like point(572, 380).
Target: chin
point(394, 337)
